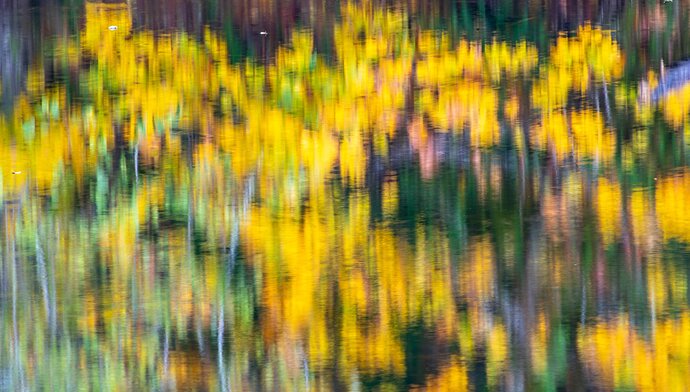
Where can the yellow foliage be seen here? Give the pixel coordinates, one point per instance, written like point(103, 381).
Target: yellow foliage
point(592, 140)
point(623, 358)
point(608, 209)
point(452, 377)
point(672, 206)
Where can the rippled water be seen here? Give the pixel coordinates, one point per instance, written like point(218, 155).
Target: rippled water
point(318, 195)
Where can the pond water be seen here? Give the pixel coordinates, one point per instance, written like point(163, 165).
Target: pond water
point(367, 195)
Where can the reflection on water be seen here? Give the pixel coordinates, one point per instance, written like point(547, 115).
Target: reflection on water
point(378, 204)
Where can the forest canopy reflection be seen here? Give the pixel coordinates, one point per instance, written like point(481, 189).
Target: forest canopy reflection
point(416, 210)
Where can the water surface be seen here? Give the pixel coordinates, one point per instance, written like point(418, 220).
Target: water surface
point(370, 196)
